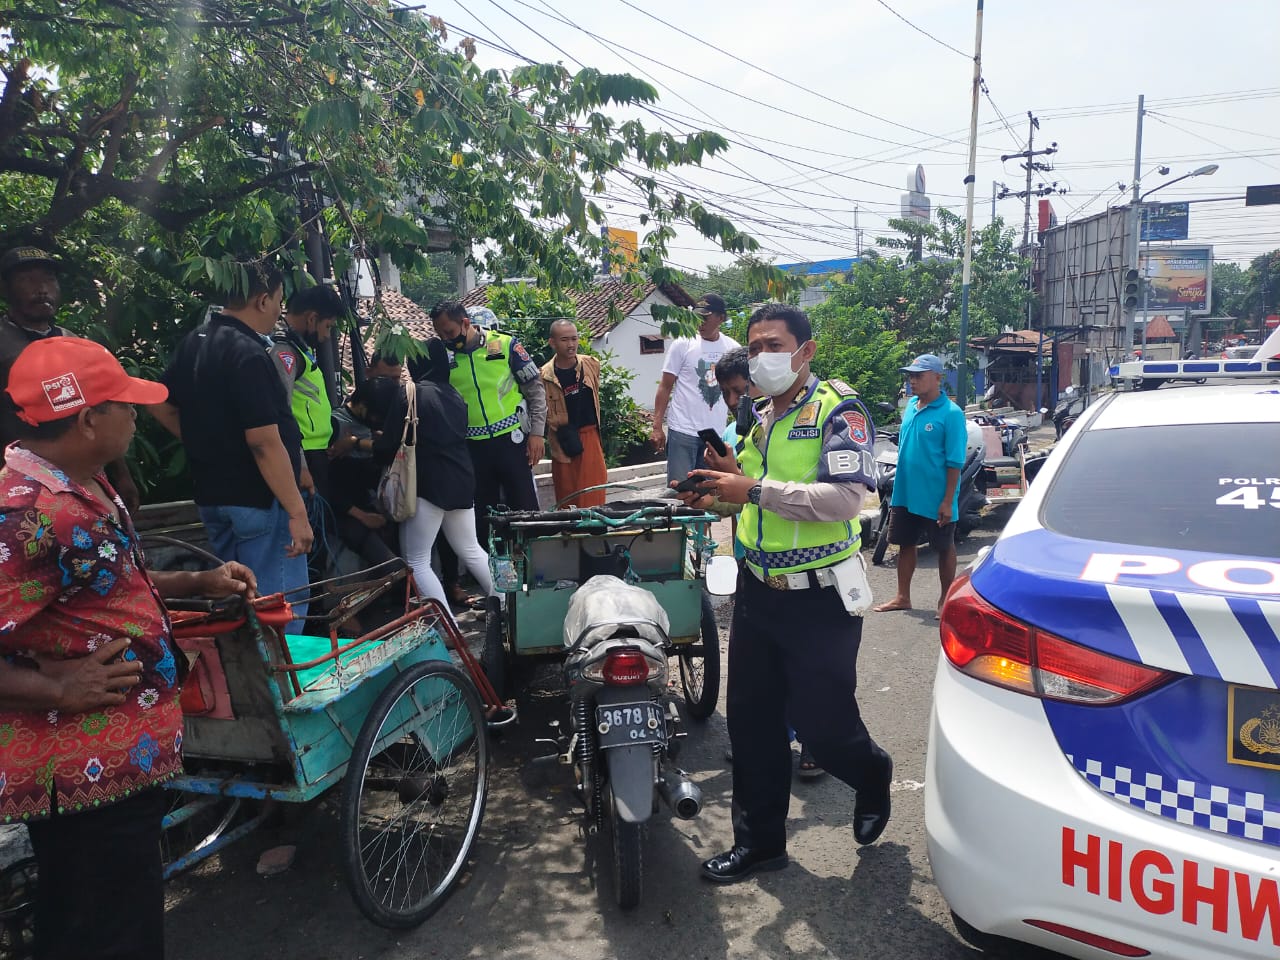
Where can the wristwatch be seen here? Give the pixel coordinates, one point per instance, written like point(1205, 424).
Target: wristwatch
point(753, 495)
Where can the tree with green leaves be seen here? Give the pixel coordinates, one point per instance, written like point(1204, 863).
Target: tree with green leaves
point(150, 143)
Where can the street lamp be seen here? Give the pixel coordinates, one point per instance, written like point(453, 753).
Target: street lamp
point(1208, 170)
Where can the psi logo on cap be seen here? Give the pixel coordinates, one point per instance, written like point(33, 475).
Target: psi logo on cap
point(63, 393)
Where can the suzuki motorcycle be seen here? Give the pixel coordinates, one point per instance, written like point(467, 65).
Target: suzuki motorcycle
point(623, 725)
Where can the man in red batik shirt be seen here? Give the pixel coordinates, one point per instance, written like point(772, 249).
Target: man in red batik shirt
point(90, 724)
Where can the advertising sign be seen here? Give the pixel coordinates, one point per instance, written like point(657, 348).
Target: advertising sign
point(1165, 221)
point(624, 244)
point(1179, 278)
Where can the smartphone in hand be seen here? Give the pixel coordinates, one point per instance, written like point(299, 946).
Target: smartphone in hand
point(694, 485)
point(714, 440)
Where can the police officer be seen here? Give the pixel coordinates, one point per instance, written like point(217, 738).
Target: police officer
point(308, 322)
point(493, 372)
point(803, 472)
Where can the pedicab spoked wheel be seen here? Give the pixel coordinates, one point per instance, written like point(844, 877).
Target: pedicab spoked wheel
point(414, 794)
point(700, 667)
point(18, 910)
point(493, 655)
point(628, 857)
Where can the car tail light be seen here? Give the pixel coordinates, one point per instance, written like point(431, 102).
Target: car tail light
point(990, 645)
point(625, 668)
point(1118, 947)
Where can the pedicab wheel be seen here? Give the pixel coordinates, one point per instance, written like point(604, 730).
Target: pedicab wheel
point(882, 536)
point(18, 910)
point(700, 672)
point(414, 794)
point(493, 655)
point(628, 858)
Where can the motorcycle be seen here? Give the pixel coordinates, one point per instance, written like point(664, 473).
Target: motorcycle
point(623, 726)
point(1067, 410)
point(974, 479)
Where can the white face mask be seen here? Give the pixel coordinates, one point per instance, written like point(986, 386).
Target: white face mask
point(772, 372)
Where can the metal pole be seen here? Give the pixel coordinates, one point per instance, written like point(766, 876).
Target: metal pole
point(1026, 210)
point(1144, 277)
point(962, 379)
point(994, 186)
point(1131, 253)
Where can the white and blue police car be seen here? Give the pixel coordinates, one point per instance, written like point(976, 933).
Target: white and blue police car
point(1103, 774)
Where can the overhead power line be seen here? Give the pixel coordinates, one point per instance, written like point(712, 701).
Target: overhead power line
point(919, 29)
point(779, 77)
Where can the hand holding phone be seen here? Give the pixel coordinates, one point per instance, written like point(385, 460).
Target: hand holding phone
point(695, 485)
point(714, 440)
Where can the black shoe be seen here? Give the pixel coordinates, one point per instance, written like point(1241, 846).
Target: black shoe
point(739, 863)
point(871, 810)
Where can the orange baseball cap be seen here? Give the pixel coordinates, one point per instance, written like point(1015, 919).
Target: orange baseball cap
point(56, 377)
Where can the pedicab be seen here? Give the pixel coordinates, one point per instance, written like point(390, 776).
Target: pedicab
point(383, 721)
point(538, 559)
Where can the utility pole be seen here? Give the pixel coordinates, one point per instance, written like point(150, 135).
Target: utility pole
point(1134, 234)
point(857, 232)
point(994, 187)
point(1032, 166)
point(962, 373)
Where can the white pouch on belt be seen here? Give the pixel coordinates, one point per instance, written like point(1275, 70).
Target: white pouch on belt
point(849, 577)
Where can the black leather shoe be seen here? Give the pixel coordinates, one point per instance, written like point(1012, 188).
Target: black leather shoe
point(739, 863)
point(871, 809)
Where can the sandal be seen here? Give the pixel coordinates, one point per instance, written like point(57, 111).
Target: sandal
point(808, 769)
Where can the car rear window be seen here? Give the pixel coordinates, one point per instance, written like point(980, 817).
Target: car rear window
point(1206, 487)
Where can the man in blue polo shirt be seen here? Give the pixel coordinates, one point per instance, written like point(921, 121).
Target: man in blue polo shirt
point(931, 447)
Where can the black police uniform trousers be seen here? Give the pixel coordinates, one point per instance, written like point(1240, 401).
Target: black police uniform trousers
point(793, 656)
point(503, 475)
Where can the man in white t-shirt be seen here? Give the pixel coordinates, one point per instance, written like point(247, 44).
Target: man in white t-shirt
point(688, 395)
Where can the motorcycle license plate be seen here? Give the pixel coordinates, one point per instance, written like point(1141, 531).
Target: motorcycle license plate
point(627, 724)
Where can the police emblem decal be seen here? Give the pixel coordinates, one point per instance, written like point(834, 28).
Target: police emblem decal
point(808, 415)
point(1254, 727)
point(288, 359)
point(857, 425)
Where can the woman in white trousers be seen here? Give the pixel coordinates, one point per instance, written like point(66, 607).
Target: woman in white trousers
point(418, 535)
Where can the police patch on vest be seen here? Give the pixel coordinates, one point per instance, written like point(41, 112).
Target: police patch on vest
point(290, 360)
point(808, 415)
point(521, 352)
point(494, 349)
point(857, 425)
point(842, 388)
point(804, 433)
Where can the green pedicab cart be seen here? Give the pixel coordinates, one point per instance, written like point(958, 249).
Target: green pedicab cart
point(538, 559)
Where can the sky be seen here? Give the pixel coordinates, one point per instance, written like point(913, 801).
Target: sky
point(830, 106)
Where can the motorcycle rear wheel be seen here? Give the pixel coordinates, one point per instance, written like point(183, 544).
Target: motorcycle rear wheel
point(628, 858)
point(882, 536)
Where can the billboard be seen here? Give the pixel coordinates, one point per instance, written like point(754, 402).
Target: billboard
point(1165, 221)
point(623, 244)
point(1178, 278)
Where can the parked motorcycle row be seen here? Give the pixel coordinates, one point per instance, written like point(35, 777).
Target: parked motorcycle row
point(985, 479)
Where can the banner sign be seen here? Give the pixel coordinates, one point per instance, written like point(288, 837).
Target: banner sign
point(1179, 278)
point(1165, 221)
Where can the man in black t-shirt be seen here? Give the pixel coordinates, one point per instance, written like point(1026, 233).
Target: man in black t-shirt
point(228, 406)
point(29, 285)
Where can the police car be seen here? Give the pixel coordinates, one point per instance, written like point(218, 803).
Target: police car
point(1103, 774)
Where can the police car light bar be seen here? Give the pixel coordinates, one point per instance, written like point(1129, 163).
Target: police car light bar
point(1137, 371)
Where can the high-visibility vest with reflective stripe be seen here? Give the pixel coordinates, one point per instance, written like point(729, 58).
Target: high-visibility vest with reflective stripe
point(774, 545)
point(486, 383)
point(308, 397)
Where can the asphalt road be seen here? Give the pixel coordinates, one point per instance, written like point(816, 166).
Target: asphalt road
point(535, 890)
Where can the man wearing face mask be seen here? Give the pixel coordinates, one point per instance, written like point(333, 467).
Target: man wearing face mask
point(493, 372)
point(801, 477)
point(308, 322)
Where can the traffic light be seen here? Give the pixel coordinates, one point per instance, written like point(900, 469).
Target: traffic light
point(1131, 290)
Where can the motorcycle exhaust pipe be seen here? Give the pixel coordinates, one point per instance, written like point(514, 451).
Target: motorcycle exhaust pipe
point(681, 794)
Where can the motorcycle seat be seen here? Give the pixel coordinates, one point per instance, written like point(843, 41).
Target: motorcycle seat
point(1002, 462)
